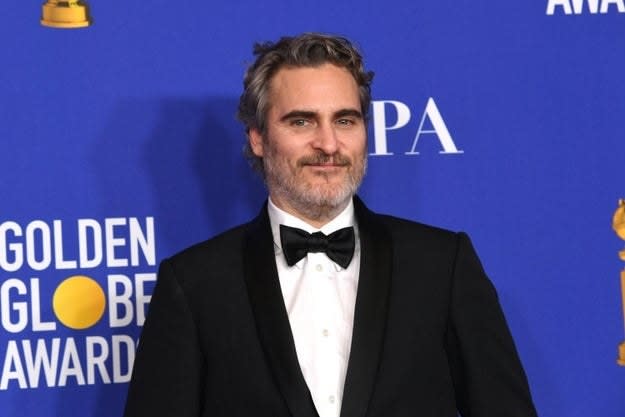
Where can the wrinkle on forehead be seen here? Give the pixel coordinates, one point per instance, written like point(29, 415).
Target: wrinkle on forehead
point(323, 89)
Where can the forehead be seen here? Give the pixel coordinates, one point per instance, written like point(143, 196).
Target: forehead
point(313, 88)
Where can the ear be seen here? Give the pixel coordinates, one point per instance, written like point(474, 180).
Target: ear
point(256, 142)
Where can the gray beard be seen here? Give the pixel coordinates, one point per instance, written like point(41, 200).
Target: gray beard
point(316, 202)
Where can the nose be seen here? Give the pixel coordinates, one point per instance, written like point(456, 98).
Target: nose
point(326, 139)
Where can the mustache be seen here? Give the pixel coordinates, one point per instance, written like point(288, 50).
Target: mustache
point(322, 158)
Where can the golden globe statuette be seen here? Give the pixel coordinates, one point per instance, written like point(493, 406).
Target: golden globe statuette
point(65, 14)
point(618, 224)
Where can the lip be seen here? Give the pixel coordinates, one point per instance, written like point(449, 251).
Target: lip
point(325, 166)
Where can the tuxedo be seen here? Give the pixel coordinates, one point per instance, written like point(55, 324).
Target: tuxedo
point(429, 337)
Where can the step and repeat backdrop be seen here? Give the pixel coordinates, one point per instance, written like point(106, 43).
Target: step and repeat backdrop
point(119, 147)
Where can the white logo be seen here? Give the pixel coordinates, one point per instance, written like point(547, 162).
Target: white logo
point(431, 112)
point(577, 6)
point(45, 265)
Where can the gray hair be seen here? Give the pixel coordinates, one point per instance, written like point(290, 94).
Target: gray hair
point(305, 50)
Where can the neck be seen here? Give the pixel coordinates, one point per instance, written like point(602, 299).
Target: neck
point(315, 215)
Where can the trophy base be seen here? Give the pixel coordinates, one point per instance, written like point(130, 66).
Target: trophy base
point(621, 354)
point(66, 14)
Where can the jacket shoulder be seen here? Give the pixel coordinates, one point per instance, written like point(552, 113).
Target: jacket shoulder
point(220, 253)
point(404, 228)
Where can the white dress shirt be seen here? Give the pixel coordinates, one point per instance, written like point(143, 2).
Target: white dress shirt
point(320, 297)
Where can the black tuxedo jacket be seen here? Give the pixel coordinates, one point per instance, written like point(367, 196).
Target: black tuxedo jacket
point(429, 335)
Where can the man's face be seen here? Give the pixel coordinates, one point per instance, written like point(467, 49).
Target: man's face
point(314, 147)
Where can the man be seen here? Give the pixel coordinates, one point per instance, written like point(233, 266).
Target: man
point(319, 307)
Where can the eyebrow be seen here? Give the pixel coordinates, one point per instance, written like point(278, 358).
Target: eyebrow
point(298, 114)
point(307, 114)
point(348, 113)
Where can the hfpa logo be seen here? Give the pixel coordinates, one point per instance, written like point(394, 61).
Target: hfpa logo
point(577, 6)
point(436, 127)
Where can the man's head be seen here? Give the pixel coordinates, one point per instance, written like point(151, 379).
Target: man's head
point(304, 106)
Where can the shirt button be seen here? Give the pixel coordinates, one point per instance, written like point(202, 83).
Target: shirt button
point(325, 332)
point(319, 268)
point(331, 399)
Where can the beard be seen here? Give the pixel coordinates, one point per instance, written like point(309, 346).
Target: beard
point(321, 197)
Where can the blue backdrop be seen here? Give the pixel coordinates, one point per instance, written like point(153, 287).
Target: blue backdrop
point(119, 147)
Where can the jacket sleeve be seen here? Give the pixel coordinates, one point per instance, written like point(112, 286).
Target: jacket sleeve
point(488, 377)
point(167, 372)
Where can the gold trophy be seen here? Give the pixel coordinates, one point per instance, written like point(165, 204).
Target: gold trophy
point(66, 14)
point(618, 224)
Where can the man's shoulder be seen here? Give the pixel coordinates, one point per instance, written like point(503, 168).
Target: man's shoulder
point(401, 228)
point(413, 226)
point(411, 238)
point(225, 247)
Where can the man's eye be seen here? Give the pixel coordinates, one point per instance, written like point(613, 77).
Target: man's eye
point(345, 122)
point(299, 122)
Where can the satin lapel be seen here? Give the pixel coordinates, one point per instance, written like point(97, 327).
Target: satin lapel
point(370, 314)
point(274, 331)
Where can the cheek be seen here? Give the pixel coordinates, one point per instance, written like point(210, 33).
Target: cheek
point(290, 153)
point(358, 149)
point(283, 158)
point(356, 141)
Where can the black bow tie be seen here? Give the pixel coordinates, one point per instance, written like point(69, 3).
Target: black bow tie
point(338, 246)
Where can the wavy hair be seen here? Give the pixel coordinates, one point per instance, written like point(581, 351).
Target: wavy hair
point(305, 50)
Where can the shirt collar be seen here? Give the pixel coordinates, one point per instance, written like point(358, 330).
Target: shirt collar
point(278, 216)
